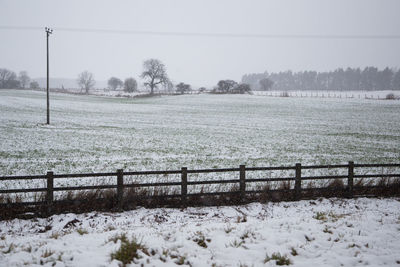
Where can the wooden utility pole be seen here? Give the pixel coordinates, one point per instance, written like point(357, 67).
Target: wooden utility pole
point(48, 32)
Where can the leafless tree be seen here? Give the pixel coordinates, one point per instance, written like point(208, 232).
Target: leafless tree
point(130, 85)
point(8, 79)
point(225, 86)
point(182, 88)
point(114, 83)
point(154, 73)
point(23, 78)
point(86, 81)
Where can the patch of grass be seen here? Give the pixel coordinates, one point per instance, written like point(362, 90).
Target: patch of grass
point(293, 251)
point(117, 237)
point(128, 251)
point(278, 258)
point(55, 235)
point(309, 239)
point(335, 217)
point(47, 253)
point(353, 245)
point(326, 230)
point(81, 231)
point(228, 229)
point(181, 260)
point(11, 247)
point(236, 243)
point(241, 219)
point(201, 240)
point(320, 216)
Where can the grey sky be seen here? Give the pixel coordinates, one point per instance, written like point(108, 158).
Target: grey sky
point(199, 60)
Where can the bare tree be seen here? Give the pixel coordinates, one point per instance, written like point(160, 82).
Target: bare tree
point(169, 87)
point(154, 73)
point(86, 81)
point(8, 79)
point(182, 88)
point(130, 85)
point(225, 86)
point(23, 78)
point(114, 83)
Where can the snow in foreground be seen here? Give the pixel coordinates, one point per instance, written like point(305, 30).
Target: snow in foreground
point(326, 232)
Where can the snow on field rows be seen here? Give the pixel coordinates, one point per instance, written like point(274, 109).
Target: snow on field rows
point(102, 134)
point(325, 232)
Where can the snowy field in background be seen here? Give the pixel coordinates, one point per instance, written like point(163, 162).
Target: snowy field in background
point(102, 134)
point(335, 232)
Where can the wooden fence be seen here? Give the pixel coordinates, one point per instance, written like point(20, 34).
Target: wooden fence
point(240, 173)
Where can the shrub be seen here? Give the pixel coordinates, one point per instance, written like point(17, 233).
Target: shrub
point(390, 96)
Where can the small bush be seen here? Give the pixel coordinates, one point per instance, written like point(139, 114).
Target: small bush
point(390, 96)
point(278, 258)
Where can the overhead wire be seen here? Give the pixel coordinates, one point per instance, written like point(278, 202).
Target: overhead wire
point(209, 34)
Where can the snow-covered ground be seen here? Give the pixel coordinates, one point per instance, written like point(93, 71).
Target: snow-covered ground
point(325, 232)
point(101, 134)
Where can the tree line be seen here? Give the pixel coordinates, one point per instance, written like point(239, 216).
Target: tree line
point(350, 79)
point(10, 80)
point(154, 75)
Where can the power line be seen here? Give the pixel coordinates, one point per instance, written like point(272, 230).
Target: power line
point(204, 34)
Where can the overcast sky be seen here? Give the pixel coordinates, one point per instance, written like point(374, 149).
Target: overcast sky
point(197, 59)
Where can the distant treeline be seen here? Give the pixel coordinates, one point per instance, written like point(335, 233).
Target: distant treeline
point(369, 79)
point(10, 80)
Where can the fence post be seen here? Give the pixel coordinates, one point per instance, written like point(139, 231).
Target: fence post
point(297, 184)
point(184, 186)
point(50, 191)
point(242, 182)
point(120, 188)
point(350, 181)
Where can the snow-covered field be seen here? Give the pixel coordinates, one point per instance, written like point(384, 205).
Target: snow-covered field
point(323, 232)
point(101, 134)
point(89, 133)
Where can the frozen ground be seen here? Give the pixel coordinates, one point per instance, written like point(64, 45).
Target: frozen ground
point(101, 134)
point(89, 133)
point(336, 232)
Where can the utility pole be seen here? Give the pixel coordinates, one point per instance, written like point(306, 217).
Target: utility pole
point(48, 32)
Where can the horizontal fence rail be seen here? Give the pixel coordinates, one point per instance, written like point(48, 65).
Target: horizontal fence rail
point(239, 178)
